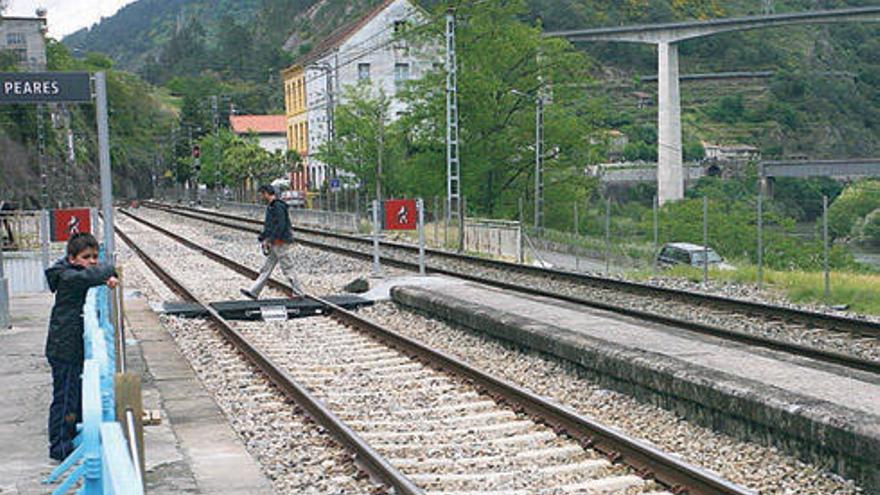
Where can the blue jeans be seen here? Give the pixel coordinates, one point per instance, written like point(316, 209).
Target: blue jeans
point(66, 409)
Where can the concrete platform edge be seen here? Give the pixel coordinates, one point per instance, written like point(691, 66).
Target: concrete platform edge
point(217, 457)
point(847, 441)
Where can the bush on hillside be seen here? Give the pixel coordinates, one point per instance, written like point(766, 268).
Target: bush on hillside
point(870, 228)
point(853, 204)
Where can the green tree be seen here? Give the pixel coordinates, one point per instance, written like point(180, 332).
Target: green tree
point(234, 160)
point(870, 227)
point(856, 201)
point(504, 65)
point(363, 137)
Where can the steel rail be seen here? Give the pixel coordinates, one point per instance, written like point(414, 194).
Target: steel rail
point(647, 460)
point(800, 350)
point(364, 455)
point(836, 322)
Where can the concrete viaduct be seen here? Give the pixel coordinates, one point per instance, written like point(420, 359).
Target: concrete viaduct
point(768, 170)
point(670, 174)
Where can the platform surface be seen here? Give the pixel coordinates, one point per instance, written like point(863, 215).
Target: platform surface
point(26, 382)
point(806, 377)
point(193, 451)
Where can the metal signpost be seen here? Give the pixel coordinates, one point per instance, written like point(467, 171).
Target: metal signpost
point(377, 268)
point(403, 214)
point(5, 320)
point(420, 205)
point(38, 88)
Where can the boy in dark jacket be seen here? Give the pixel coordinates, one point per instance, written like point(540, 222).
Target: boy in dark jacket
point(70, 278)
point(277, 242)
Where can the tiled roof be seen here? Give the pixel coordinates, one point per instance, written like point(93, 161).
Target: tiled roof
point(260, 124)
point(341, 34)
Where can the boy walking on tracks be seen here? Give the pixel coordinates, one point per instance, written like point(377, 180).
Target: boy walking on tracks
point(277, 241)
point(70, 278)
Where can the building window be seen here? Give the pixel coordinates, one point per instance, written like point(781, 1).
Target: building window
point(363, 72)
point(15, 39)
point(401, 73)
point(19, 55)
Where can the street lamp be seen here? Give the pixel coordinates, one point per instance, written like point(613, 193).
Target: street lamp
point(328, 101)
point(539, 155)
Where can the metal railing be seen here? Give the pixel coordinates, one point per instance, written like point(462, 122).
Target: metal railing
point(104, 461)
point(331, 220)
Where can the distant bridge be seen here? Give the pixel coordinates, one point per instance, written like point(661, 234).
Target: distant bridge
point(670, 174)
point(848, 168)
point(768, 170)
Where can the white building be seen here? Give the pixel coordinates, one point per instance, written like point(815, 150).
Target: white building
point(271, 130)
point(731, 152)
point(364, 51)
point(25, 37)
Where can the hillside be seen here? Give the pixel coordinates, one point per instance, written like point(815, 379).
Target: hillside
point(139, 30)
point(792, 113)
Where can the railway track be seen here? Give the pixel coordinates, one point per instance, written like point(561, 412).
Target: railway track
point(834, 339)
point(424, 422)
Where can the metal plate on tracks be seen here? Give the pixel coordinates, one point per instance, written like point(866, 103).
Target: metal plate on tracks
point(256, 310)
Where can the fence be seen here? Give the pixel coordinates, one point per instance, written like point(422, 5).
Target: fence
point(780, 237)
point(28, 249)
point(331, 220)
point(20, 230)
point(103, 459)
point(501, 238)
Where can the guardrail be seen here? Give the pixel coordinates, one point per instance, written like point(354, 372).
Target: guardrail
point(105, 462)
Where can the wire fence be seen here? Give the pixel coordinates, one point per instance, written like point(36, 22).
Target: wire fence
point(758, 238)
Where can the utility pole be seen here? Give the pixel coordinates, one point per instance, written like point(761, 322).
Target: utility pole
point(215, 113)
point(453, 165)
point(41, 150)
point(327, 69)
point(70, 157)
point(539, 161)
point(380, 122)
point(329, 90)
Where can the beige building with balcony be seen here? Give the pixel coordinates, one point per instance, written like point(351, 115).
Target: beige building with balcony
point(25, 38)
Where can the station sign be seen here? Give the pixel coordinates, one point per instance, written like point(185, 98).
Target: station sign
point(400, 214)
point(45, 87)
point(67, 222)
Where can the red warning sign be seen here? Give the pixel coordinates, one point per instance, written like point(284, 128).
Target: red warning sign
point(65, 223)
point(400, 214)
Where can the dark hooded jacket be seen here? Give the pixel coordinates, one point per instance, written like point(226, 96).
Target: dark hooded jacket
point(70, 283)
point(276, 227)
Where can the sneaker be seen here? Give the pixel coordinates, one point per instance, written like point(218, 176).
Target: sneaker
point(248, 294)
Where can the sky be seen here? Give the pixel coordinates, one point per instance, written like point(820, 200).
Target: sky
point(67, 16)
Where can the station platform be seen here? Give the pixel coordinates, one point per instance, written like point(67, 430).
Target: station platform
point(192, 451)
point(821, 412)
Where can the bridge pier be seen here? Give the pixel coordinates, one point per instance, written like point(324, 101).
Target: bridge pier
point(670, 172)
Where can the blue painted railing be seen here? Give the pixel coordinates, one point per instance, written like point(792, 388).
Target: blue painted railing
point(102, 458)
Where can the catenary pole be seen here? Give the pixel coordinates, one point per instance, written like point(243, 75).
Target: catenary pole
point(104, 161)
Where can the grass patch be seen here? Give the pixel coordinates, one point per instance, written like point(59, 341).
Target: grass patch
point(859, 291)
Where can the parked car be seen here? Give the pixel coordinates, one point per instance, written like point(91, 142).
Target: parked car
point(685, 253)
point(294, 199)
